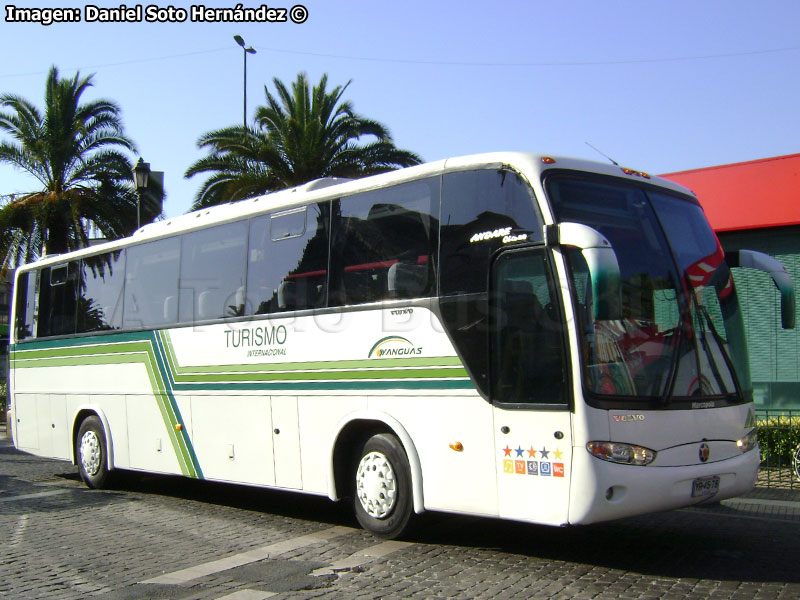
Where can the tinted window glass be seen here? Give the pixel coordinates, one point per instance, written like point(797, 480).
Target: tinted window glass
point(527, 350)
point(151, 284)
point(212, 273)
point(25, 293)
point(481, 212)
point(100, 300)
point(384, 243)
point(288, 224)
point(58, 300)
point(465, 318)
point(291, 271)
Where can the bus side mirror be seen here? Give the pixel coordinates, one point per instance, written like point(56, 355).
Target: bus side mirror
point(750, 259)
point(602, 262)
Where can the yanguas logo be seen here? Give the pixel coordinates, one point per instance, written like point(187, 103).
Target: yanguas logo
point(394, 345)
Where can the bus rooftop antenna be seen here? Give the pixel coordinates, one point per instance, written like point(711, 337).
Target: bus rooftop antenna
point(602, 154)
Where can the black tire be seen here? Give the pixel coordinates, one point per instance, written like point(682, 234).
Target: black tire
point(383, 497)
point(91, 452)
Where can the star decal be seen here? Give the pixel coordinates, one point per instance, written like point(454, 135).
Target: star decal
point(519, 451)
point(544, 452)
point(507, 450)
point(531, 452)
point(558, 454)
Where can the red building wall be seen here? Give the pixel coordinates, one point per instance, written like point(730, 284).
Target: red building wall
point(747, 195)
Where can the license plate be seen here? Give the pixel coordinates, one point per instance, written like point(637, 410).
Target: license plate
point(705, 486)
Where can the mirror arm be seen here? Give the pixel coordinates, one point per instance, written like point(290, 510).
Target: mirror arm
point(601, 260)
point(750, 259)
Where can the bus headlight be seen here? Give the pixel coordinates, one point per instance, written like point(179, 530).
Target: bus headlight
point(624, 454)
point(748, 442)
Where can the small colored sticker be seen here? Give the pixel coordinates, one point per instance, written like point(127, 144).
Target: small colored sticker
point(519, 467)
point(533, 467)
point(508, 466)
point(558, 469)
point(544, 469)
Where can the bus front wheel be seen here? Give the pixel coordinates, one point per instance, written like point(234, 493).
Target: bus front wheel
point(383, 498)
point(92, 453)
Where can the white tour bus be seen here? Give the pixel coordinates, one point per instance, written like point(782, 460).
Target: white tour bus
point(511, 335)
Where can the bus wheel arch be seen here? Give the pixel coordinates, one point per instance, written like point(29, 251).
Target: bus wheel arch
point(92, 448)
point(350, 439)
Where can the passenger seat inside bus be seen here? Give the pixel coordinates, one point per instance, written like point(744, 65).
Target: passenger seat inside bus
point(407, 280)
point(170, 310)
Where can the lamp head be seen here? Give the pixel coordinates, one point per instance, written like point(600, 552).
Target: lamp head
point(141, 174)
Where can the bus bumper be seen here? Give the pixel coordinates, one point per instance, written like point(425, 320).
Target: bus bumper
point(602, 491)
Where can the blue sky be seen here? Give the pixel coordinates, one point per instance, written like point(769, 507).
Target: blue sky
point(660, 86)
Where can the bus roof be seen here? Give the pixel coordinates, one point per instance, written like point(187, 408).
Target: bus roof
point(530, 165)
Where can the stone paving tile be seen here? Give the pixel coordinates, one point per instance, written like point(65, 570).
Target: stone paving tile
point(83, 544)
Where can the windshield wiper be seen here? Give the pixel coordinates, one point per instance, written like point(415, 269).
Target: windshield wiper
point(725, 357)
point(676, 360)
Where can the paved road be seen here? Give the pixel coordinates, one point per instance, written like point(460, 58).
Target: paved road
point(165, 537)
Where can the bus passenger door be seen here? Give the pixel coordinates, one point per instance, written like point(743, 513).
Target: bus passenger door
point(532, 421)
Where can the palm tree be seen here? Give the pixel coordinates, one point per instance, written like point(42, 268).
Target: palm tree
point(73, 150)
point(299, 136)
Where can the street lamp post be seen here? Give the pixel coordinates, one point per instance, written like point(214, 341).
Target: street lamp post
point(141, 175)
point(247, 50)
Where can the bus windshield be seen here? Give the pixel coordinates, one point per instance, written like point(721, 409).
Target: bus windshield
point(680, 336)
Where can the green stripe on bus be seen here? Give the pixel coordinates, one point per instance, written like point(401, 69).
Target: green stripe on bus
point(159, 384)
point(413, 384)
point(74, 361)
point(329, 375)
point(132, 346)
point(155, 350)
point(377, 363)
point(181, 442)
point(444, 366)
point(233, 377)
point(106, 338)
point(123, 350)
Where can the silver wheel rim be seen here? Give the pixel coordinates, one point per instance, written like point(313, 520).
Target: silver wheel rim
point(90, 453)
point(376, 485)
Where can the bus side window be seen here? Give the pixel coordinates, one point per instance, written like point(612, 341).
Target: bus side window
point(287, 260)
point(212, 273)
point(384, 244)
point(58, 299)
point(100, 300)
point(151, 284)
point(482, 211)
point(26, 294)
point(527, 351)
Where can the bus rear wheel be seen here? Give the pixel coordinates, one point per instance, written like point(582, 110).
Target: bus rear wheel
point(92, 453)
point(383, 498)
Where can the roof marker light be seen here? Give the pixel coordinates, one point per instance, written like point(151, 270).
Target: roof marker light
point(548, 161)
point(635, 173)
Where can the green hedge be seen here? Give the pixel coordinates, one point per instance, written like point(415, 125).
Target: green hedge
point(778, 438)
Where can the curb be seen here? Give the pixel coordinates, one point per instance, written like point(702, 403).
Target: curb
point(760, 503)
